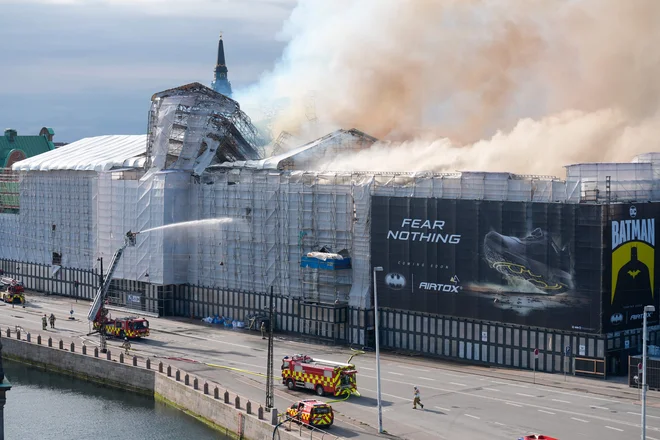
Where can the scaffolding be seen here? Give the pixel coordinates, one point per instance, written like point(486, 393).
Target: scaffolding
point(192, 127)
point(9, 192)
point(75, 218)
point(202, 159)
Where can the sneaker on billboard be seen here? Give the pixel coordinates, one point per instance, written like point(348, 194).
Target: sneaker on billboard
point(534, 258)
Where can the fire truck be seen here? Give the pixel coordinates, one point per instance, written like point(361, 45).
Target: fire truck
point(103, 323)
point(324, 377)
point(311, 412)
point(130, 327)
point(13, 291)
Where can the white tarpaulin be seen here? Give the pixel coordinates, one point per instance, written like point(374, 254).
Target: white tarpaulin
point(100, 153)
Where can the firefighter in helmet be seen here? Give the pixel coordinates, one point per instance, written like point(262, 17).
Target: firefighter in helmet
point(52, 320)
point(44, 322)
point(126, 345)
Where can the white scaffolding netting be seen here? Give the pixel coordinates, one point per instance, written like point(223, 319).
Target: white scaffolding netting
point(202, 160)
point(73, 218)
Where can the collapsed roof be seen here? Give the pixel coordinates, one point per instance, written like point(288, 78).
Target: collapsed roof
point(192, 127)
point(310, 155)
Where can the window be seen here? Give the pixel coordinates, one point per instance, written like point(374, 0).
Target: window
point(57, 259)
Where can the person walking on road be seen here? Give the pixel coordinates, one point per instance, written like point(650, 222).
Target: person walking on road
point(44, 322)
point(126, 345)
point(416, 398)
point(263, 330)
point(52, 320)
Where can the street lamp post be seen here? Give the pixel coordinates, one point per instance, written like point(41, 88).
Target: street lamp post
point(647, 310)
point(377, 330)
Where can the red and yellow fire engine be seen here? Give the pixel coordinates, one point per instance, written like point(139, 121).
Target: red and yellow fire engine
point(13, 291)
point(312, 412)
point(324, 377)
point(128, 327)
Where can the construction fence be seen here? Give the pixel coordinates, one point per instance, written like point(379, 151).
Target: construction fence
point(401, 331)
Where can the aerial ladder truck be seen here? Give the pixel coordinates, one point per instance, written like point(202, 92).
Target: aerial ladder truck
point(129, 327)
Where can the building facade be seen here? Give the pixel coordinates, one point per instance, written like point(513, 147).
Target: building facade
point(482, 267)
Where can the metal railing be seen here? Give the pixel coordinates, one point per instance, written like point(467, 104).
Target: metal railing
point(314, 432)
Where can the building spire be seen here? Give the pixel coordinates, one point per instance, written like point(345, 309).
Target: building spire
point(221, 83)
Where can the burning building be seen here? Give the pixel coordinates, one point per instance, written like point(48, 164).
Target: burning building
point(479, 266)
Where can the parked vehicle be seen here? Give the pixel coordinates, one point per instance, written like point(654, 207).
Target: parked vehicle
point(312, 412)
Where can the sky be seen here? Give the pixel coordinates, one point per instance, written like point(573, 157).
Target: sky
point(482, 85)
point(89, 67)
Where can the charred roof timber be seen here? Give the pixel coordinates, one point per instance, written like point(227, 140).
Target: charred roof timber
point(192, 127)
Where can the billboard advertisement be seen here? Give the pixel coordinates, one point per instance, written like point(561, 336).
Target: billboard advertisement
point(631, 266)
point(537, 264)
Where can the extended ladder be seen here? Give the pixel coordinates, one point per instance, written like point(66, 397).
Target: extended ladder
point(102, 292)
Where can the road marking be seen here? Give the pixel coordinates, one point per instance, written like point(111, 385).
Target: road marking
point(457, 384)
point(580, 420)
point(425, 378)
point(648, 415)
point(365, 368)
point(474, 417)
point(498, 423)
point(600, 407)
point(396, 374)
point(385, 394)
point(651, 438)
point(524, 395)
point(442, 409)
point(209, 339)
point(614, 429)
point(460, 376)
point(509, 384)
point(544, 411)
point(513, 404)
point(531, 405)
point(412, 368)
point(491, 389)
point(560, 401)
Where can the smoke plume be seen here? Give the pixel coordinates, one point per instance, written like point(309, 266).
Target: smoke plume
point(520, 86)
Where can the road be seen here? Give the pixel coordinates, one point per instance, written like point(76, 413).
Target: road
point(459, 402)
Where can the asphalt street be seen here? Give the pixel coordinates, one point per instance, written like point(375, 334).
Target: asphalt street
point(459, 402)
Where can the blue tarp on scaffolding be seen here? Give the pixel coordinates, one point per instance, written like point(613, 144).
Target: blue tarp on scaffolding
point(327, 264)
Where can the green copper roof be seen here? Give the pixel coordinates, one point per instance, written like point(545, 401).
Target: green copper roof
point(23, 146)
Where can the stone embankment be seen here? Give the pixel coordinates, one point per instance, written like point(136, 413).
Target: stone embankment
point(208, 402)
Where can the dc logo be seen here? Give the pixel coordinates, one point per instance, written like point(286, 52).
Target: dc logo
point(633, 211)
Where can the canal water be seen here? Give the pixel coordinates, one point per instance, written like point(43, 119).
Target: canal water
point(48, 406)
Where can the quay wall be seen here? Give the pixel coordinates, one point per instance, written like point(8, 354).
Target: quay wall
point(208, 402)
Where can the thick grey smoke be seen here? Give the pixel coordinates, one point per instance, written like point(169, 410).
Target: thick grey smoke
point(521, 86)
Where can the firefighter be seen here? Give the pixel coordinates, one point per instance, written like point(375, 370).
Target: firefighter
point(44, 322)
point(52, 320)
point(126, 345)
point(416, 398)
point(263, 330)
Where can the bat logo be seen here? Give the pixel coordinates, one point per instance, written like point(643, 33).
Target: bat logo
point(617, 318)
point(395, 281)
point(633, 273)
